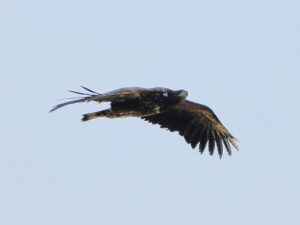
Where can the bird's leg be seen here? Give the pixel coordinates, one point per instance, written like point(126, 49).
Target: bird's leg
point(104, 113)
point(109, 113)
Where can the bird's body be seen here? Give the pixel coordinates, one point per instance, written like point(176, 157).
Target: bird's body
point(168, 108)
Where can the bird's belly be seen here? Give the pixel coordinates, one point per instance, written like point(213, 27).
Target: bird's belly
point(134, 108)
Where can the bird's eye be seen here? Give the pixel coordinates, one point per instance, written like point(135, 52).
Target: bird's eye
point(165, 93)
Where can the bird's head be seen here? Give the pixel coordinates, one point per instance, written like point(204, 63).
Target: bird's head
point(182, 94)
point(174, 97)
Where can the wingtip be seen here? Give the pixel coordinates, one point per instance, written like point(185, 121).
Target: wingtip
point(87, 89)
point(232, 140)
point(236, 140)
point(53, 109)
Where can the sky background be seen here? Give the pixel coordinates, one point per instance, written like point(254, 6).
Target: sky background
point(241, 58)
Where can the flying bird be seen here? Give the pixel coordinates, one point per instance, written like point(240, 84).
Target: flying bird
point(197, 123)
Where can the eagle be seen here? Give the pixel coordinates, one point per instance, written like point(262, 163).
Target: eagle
point(168, 108)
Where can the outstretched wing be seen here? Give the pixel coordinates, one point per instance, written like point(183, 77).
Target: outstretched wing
point(197, 124)
point(116, 95)
point(92, 96)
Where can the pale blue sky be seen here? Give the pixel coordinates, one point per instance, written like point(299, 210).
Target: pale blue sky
point(241, 58)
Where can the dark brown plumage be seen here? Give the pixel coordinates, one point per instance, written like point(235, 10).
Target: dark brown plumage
point(195, 122)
